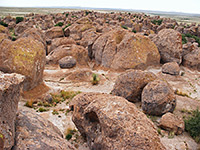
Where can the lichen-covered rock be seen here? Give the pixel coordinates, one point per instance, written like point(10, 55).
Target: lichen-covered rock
point(120, 49)
point(67, 62)
point(131, 83)
point(192, 59)
point(35, 132)
point(172, 123)
point(169, 43)
point(54, 32)
point(10, 85)
point(78, 52)
point(24, 56)
point(3, 29)
point(171, 68)
point(112, 123)
point(158, 98)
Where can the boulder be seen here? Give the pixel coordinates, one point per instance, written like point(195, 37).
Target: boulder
point(3, 36)
point(20, 28)
point(120, 49)
point(3, 30)
point(54, 32)
point(169, 43)
point(78, 52)
point(67, 62)
point(36, 34)
point(25, 56)
point(171, 68)
point(172, 123)
point(60, 41)
point(131, 83)
point(112, 123)
point(192, 59)
point(158, 98)
point(35, 132)
point(10, 86)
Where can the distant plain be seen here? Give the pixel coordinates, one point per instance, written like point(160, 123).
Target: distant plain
point(17, 11)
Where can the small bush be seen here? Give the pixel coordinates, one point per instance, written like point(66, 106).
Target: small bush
point(67, 15)
point(74, 17)
point(19, 19)
point(134, 31)
point(3, 24)
point(197, 39)
point(125, 27)
point(95, 79)
point(70, 133)
point(42, 109)
point(60, 24)
point(157, 22)
point(66, 26)
point(192, 125)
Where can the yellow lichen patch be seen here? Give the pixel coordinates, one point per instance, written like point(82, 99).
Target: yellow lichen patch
point(24, 52)
point(86, 27)
point(3, 29)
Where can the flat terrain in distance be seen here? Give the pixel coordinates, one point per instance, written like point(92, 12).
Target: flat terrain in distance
point(17, 11)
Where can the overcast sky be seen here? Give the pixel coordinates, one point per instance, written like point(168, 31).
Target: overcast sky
point(189, 6)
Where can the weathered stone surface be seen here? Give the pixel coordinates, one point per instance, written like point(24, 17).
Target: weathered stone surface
point(60, 41)
point(25, 56)
point(120, 49)
point(131, 83)
point(78, 52)
point(172, 123)
point(54, 32)
point(20, 28)
point(3, 36)
point(67, 62)
point(192, 59)
point(34, 132)
point(158, 98)
point(112, 123)
point(169, 43)
point(36, 34)
point(10, 85)
point(171, 68)
point(3, 29)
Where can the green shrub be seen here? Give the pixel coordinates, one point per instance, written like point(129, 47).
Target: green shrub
point(192, 125)
point(157, 22)
point(19, 19)
point(60, 24)
point(66, 26)
point(87, 12)
point(42, 109)
point(125, 27)
point(134, 31)
point(184, 41)
point(3, 24)
point(95, 79)
point(74, 17)
point(67, 15)
point(197, 39)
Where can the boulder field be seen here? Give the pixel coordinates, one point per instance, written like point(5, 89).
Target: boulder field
point(102, 81)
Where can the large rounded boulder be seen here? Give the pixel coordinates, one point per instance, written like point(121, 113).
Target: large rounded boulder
point(112, 123)
point(169, 43)
point(158, 98)
point(25, 56)
point(120, 49)
point(35, 132)
point(131, 83)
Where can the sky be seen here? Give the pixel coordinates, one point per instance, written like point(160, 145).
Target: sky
point(189, 6)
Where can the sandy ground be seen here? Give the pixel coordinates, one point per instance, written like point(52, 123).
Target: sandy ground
point(80, 80)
